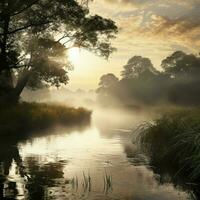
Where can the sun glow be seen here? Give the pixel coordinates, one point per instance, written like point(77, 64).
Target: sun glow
point(74, 54)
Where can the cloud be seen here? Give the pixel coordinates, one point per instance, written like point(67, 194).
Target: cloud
point(154, 29)
point(130, 3)
point(135, 2)
point(143, 2)
point(183, 29)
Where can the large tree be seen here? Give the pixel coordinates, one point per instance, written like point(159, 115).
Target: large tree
point(34, 38)
point(183, 71)
point(108, 80)
point(106, 83)
point(180, 64)
point(137, 67)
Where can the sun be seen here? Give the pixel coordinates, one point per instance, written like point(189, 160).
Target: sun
point(74, 54)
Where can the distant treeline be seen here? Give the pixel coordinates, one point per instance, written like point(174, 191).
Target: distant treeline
point(177, 83)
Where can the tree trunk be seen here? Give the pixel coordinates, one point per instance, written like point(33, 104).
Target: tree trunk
point(3, 54)
point(9, 93)
point(6, 86)
point(22, 82)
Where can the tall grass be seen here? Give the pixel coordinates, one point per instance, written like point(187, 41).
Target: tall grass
point(31, 116)
point(107, 179)
point(86, 181)
point(172, 144)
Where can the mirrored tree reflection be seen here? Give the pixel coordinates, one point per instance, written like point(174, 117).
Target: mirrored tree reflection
point(29, 178)
point(29, 175)
point(9, 153)
point(43, 177)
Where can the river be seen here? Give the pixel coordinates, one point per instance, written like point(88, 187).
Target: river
point(95, 162)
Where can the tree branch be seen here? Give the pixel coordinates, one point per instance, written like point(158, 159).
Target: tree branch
point(26, 27)
point(18, 66)
point(68, 41)
point(24, 9)
point(64, 36)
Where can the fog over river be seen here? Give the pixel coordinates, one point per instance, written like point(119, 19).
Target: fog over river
point(98, 161)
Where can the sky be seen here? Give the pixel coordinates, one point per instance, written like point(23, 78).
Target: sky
point(150, 28)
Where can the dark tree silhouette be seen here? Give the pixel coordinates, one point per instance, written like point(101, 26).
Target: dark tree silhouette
point(34, 37)
point(178, 82)
point(138, 66)
point(183, 71)
point(108, 80)
point(180, 64)
point(107, 86)
point(107, 89)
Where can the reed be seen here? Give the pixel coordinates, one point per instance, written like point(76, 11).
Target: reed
point(107, 179)
point(172, 144)
point(33, 116)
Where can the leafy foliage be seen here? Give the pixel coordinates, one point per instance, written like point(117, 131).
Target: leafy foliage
point(182, 64)
point(141, 83)
point(138, 66)
point(35, 36)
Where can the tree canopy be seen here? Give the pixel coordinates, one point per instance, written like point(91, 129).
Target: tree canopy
point(181, 64)
point(178, 83)
point(35, 35)
point(138, 66)
point(108, 80)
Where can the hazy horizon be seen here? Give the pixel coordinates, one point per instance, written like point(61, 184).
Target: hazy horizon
point(152, 29)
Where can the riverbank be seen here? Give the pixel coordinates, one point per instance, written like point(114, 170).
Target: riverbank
point(172, 144)
point(37, 116)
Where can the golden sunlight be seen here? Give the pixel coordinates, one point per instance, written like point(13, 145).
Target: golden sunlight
point(74, 54)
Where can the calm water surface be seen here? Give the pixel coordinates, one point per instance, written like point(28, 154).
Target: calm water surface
point(96, 162)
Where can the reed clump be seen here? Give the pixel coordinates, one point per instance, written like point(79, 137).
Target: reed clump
point(33, 116)
point(172, 144)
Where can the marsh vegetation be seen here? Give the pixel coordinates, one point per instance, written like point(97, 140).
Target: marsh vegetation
point(171, 144)
point(29, 117)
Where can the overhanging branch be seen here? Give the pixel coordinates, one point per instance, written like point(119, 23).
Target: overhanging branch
point(26, 27)
point(24, 9)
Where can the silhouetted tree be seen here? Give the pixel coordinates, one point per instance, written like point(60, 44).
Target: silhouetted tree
point(180, 64)
point(141, 83)
point(108, 80)
point(107, 87)
point(184, 72)
point(138, 66)
point(34, 37)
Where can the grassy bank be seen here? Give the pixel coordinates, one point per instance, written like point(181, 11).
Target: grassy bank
point(37, 116)
point(172, 144)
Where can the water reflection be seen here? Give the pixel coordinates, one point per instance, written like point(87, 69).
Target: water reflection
point(27, 178)
point(42, 177)
point(79, 164)
point(9, 156)
point(168, 173)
